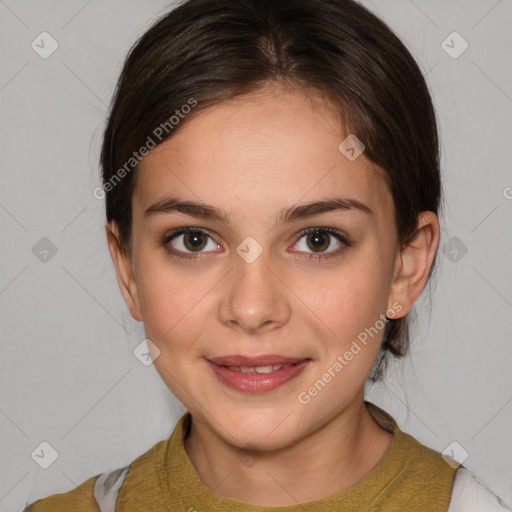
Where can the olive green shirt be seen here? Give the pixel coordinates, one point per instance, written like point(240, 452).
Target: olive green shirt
point(410, 477)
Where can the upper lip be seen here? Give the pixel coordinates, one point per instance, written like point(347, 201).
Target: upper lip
point(264, 360)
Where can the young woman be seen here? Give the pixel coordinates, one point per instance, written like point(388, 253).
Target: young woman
point(272, 184)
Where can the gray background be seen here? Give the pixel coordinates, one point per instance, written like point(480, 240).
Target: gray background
point(69, 376)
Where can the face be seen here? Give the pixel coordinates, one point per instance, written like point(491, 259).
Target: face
point(266, 276)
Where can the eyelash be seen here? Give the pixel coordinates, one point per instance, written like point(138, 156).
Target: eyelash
point(164, 241)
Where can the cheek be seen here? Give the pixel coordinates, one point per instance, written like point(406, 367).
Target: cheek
point(167, 297)
point(351, 306)
point(170, 315)
point(173, 307)
point(347, 300)
point(351, 343)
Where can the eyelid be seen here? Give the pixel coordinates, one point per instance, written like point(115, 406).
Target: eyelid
point(340, 236)
point(332, 231)
point(186, 229)
point(167, 238)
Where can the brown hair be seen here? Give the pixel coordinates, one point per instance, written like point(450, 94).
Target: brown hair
point(207, 51)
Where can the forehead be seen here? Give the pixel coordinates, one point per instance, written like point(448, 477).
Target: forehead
point(257, 152)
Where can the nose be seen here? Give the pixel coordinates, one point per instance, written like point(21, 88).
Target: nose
point(255, 298)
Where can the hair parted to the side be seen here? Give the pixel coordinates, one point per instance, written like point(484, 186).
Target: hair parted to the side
point(208, 51)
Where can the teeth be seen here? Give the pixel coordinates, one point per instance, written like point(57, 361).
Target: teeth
point(259, 369)
point(264, 369)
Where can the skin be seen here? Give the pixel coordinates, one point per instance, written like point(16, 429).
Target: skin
point(251, 157)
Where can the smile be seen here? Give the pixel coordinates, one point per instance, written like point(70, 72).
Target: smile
point(257, 378)
point(259, 369)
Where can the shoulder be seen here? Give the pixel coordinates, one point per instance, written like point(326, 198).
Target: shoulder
point(80, 498)
point(469, 493)
point(136, 481)
point(411, 475)
point(98, 493)
point(414, 459)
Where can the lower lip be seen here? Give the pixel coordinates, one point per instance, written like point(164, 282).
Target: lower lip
point(257, 382)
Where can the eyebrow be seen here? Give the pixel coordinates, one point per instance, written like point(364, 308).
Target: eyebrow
point(285, 215)
point(195, 209)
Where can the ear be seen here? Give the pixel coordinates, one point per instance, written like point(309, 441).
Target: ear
point(124, 271)
point(413, 263)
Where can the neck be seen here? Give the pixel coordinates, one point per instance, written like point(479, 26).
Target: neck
point(331, 459)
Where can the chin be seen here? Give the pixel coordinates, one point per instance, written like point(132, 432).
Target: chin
point(265, 430)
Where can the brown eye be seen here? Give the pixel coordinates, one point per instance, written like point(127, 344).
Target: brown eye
point(187, 241)
point(321, 242)
point(318, 241)
point(194, 241)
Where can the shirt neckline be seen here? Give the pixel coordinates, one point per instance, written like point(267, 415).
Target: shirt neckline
point(182, 479)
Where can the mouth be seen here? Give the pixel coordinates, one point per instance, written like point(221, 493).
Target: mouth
point(257, 374)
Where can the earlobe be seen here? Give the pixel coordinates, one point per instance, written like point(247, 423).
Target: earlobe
point(414, 261)
point(124, 271)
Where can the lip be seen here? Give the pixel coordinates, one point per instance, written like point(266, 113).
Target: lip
point(264, 360)
point(257, 382)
